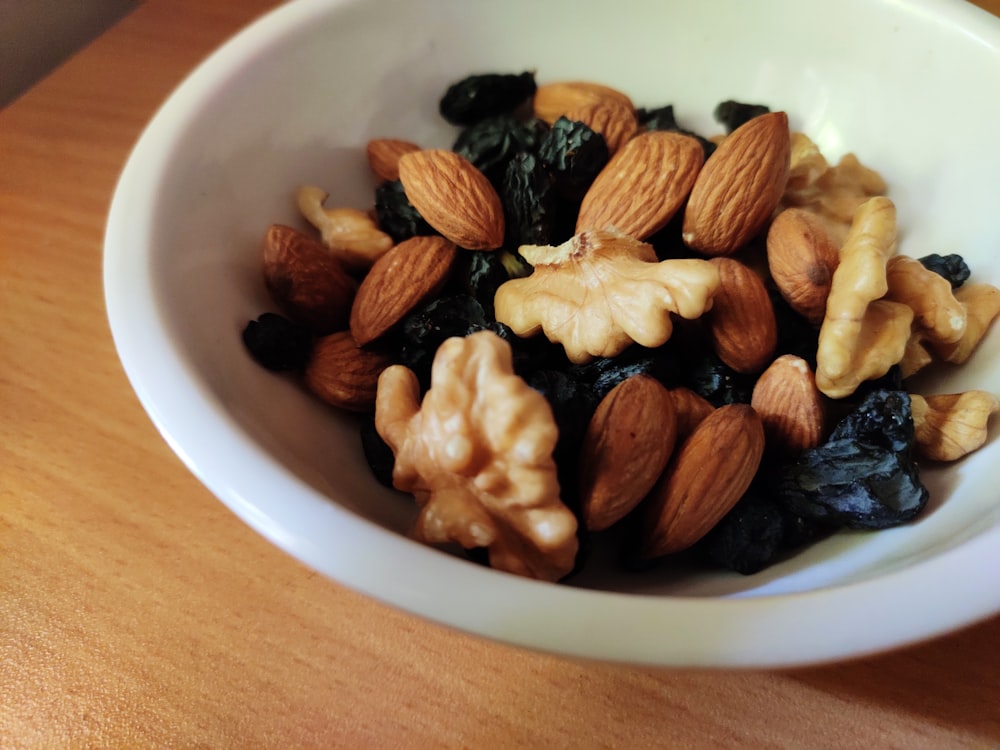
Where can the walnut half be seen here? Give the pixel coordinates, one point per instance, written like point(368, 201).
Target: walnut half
point(477, 456)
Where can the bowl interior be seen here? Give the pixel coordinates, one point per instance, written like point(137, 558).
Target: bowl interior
point(293, 100)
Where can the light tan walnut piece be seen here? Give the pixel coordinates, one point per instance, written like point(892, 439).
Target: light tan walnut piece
point(949, 426)
point(916, 356)
point(833, 193)
point(600, 291)
point(352, 236)
point(476, 454)
point(982, 305)
point(854, 323)
point(938, 315)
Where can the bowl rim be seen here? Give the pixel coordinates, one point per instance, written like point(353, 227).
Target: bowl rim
point(754, 631)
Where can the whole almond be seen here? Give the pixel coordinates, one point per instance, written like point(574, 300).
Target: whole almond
point(708, 474)
point(626, 446)
point(343, 374)
point(407, 275)
point(614, 119)
point(739, 187)
point(790, 405)
point(454, 197)
point(306, 281)
point(643, 185)
point(741, 322)
point(802, 257)
point(554, 100)
point(384, 154)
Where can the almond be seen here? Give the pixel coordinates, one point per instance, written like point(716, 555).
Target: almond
point(344, 375)
point(306, 281)
point(739, 187)
point(741, 322)
point(454, 197)
point(643, 185)
point(708, 474)
point(407, 275)
point(790, 405)
point(384, 154)
point(614, 119)
point(802, 257)
point(690, 409)
point(625, 449)
point(554, 100)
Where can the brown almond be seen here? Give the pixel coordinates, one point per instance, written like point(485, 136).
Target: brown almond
point(741, 322)
point(790, 406)
point(690, 409)
point(306, 281)
point(343, 374)
point(708, 474)
point(407, 275)
point(614, 119)
point(626, 446)
point(453, 197)
point(643, 186)
point(739, 187)
point(554, 100)
point(384, 154)
point(801, 257)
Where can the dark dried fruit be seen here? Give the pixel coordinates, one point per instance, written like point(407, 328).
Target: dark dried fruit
point(491, 143)
point(426, 328)
point(395, 214)
point(953, 267)
point(713, 380)
point(748, 538)
point(529, 204)
point(476, 97)
point(575, 154)
point(731, 114)
point(278, 344)
point(481, 272)
point(865, 475)
point(604, 373)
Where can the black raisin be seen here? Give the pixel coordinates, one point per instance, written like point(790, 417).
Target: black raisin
point(748, 538)
point(604, 373)
point(864, 476)
point(731, 114)
point(953, 267)
point(716, 382)
point(796, 335)
point(426, 328)
point(490, 144)
point(662, 118)
point(395, 214)
point(277, 343)
point(377, 452)
point(528, 202)
point(481, 272)
point(484, 95)
point(575, 154)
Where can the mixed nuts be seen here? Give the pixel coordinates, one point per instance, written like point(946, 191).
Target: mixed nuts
point(586, 318)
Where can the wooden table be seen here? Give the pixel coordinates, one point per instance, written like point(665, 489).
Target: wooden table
point(136, 611)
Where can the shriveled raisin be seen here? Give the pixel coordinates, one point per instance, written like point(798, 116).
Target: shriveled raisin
point(490, 144)
point(953, 267)
point(278, 344)
point(713, 380)
point(528, 202)
point(426, 328)
point(478, 96)
point(481, 272)
point(575, 154)
point(748, 538)
point(604, 373)
point(731, 114)
point(395, 214)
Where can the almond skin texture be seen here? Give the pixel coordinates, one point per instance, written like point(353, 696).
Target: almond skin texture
point(612, 118)
point(790, 406)
point(344, 375)
point(708, 474)
point(625, 449)
point(643, 185)
point(739, 187)
point(384, 154)
point(407, 275)
point(802, 257)
point(554, 100)
point(741, 322)
point(306, 281)
point(454, 197)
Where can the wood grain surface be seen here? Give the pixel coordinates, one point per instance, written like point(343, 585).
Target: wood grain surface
point(136, 611)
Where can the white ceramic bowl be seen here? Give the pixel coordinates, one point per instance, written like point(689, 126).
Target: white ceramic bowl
point(908, 85)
